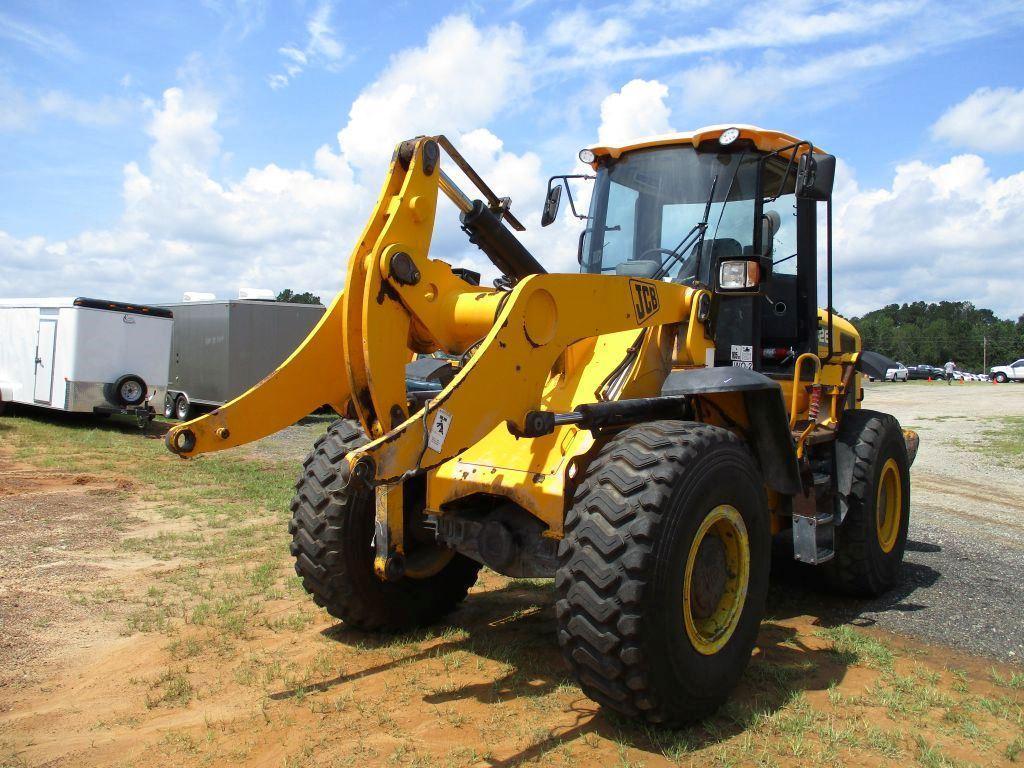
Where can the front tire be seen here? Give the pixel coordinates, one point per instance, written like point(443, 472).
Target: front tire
point(332, 528)
point(871, 539)
point(168, 406)
point(664, 570)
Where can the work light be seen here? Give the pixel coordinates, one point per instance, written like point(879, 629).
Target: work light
point(729, 135)
point(738, 275)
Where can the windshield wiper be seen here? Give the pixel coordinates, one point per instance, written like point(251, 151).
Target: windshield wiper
point(721, 213)
point(700, 227)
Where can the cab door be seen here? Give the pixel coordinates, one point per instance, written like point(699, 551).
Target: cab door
point(46, 348)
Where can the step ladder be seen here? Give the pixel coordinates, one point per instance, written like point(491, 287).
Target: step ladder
point(814, 522)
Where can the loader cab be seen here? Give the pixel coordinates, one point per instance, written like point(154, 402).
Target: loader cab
point(678, 211)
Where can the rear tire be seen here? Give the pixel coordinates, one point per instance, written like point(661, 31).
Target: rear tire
point(182, 408)
point(1000, 377)
point(629, 581)
point(168, 407)
point(872, 537)
point(332, 527)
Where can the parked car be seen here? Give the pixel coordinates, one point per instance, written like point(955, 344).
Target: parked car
point(899, 373)
point(919, 372)
point(1012, 372)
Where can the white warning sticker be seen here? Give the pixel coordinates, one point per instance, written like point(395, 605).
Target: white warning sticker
point(742, 356)
point(439, 430)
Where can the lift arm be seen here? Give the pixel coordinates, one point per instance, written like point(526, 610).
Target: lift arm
point(399, 302)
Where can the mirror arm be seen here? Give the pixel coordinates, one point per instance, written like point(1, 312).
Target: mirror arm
point(564, 180)
point(789, 164)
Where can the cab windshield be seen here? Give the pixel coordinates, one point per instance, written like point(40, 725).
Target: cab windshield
point(650, 206)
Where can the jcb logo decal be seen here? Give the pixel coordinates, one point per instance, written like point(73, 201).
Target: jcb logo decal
point(645, 299)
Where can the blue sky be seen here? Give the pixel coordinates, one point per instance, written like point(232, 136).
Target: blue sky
point(154, 148)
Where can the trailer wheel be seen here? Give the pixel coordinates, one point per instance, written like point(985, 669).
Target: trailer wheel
point(168, 406)
point(664, 570)
point(182, 408)
point(130, 390)
point(332, 528)
point(871, 539)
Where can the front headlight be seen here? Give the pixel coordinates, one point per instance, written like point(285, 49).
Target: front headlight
point(739, 275)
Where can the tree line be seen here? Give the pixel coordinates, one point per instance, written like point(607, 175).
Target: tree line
point(934, 333)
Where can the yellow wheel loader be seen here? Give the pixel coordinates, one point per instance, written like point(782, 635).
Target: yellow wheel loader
point(639, 431)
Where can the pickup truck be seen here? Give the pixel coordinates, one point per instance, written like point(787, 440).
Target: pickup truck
point(1012, 372)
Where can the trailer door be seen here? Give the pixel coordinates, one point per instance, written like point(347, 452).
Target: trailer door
point(46, 347)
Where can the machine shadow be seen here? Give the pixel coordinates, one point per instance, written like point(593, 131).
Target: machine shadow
point(515, 626)
point(799, 590)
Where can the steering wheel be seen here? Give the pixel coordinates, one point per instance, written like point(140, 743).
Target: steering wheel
point(666, 251)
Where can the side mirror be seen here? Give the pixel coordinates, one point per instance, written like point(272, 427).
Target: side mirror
point(771, 223)
point(815, 175)
point(551, 205)
point(739, 277)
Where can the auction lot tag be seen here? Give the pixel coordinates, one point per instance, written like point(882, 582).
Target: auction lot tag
point(439, 430)
point(742, 356)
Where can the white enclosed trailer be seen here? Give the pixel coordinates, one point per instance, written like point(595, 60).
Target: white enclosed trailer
point(84, 355)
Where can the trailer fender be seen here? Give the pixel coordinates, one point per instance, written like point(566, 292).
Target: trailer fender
point(770, 437)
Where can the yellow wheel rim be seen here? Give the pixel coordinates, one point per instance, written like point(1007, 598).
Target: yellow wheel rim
point(717, 575)
point(889, 506)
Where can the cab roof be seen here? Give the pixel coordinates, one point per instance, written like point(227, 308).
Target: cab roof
point(764, 139)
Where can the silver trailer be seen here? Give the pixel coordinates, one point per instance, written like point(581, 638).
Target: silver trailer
point(221, 348)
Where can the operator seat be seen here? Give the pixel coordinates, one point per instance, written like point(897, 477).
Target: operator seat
point(712, 251)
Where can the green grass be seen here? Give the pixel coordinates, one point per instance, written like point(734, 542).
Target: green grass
point(225, 579)
point(854, 647)
point(1003, 441)
point(170, 689)
point(222, 521)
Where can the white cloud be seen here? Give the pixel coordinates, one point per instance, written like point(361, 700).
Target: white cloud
point(715, 91)
point(274, 226)
point(755, 26)
point(322, 47)
point(938, 232)
point(19, 111)
point(104, 112)
point(637, 109)
point(456, 83)
point(183, 132)
point(279, 227)
point(15, 110)
point(989, 120)
point(241, 17)
point(580, 31)
point(930, 234)
point(42, 41)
